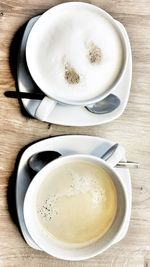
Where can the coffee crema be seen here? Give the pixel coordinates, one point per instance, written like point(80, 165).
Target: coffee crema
point(76, 203)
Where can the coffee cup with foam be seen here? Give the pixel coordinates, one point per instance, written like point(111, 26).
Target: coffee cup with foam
point(76, 54)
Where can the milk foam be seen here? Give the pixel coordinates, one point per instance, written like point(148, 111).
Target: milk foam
point(78, 184)
point(70, 36)
point(77, 203)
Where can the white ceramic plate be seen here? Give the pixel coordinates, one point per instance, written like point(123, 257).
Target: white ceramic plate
point(68, 144)
point(72, 115)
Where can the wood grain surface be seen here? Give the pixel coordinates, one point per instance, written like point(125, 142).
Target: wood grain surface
point(132, 130)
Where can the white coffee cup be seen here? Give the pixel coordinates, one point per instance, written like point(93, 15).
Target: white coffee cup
point(51, 246)
point(34, 50)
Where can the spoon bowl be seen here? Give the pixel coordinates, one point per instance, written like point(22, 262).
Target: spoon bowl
point(107, 105)
point(37, 161)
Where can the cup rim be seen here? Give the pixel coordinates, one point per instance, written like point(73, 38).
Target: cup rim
point(37, 179)
point(114, 84)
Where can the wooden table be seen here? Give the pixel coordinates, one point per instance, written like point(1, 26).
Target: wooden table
point(132, 130)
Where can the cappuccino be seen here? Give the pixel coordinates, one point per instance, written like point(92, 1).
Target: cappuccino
point(83, 55)
point(76, 204)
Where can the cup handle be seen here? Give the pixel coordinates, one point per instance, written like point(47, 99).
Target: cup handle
point(45, 108)
point(116, 156)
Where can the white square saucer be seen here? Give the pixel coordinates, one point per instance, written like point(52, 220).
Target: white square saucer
point(66, 114)
point(67, 144)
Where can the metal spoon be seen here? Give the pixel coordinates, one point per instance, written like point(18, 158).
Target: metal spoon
point(107, 105)
point(37, 161)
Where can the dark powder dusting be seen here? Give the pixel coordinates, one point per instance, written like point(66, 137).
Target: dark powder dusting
point(94, 54)
point(71, 76)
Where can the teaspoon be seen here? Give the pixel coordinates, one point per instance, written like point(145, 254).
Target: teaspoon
point(37, 161)
point(106, 105)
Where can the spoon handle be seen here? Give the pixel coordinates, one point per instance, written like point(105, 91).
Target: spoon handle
point(127, 164)
point(109, 153)
point(15, 94)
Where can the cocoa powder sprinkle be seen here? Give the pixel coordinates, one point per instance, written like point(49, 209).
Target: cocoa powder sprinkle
point(94, 54)
point(71, 76)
